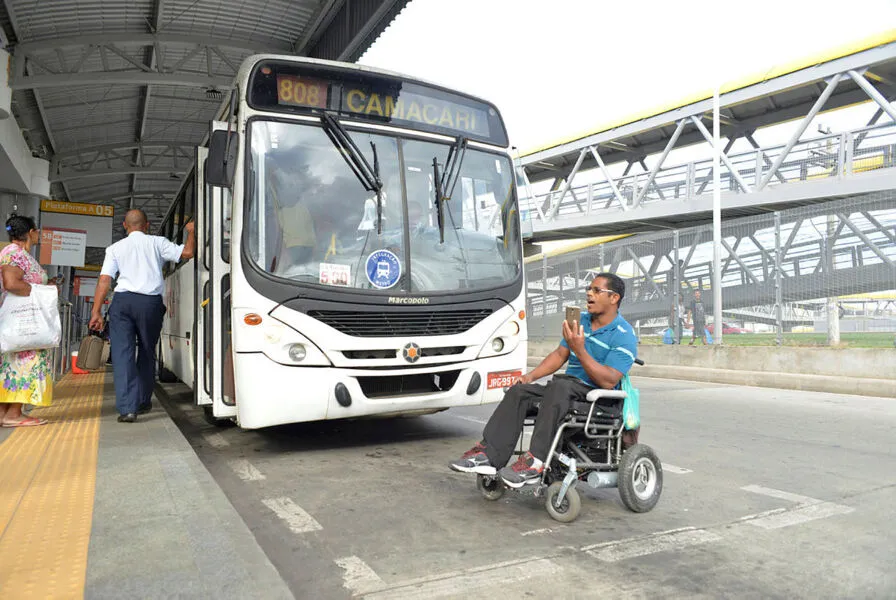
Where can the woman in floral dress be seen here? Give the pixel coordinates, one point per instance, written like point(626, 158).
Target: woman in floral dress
point(25, 377)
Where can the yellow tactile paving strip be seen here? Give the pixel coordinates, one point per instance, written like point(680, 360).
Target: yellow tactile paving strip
point(47, 482)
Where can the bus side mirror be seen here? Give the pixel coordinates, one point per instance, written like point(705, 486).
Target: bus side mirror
point(220, 166)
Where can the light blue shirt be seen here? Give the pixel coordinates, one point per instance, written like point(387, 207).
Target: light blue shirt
point(613, 345)
point(138, 260)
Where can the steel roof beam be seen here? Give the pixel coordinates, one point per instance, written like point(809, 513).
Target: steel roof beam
point(873, 93)
point(151, 62)
point(123, 146)
point(150, 39)
point(71, 175)
point(372, 22)
point(34, 82)
point(326, 13)
point(832, 84)
point(148, 194)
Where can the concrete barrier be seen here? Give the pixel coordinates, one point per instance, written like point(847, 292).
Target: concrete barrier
point(863, 371)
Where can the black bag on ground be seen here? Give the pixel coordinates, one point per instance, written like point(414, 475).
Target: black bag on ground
point(90, 354)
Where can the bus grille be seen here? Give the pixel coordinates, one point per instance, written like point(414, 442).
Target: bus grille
point(382, 324)
point(403, 385)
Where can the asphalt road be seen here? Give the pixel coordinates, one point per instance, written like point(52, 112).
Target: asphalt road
point(767, 494)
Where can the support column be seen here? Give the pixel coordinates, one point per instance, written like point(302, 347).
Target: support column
point(544, 294)
point(580, 290)
point(832, 308)
point(676, 290)
point(779, 295)
point(716, 223)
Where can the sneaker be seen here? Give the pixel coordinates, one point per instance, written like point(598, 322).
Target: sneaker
point(474, 460)
point(522, 472)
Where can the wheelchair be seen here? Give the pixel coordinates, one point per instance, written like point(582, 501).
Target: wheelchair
point(588, 447)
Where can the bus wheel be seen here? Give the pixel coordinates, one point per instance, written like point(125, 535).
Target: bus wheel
point(167, 376)
point(212, 420)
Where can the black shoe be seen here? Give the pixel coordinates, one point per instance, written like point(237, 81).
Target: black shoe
point(128, 418)
point(144, 409)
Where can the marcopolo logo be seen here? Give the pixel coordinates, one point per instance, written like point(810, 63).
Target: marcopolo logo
point(411, 352)
point(400, 300)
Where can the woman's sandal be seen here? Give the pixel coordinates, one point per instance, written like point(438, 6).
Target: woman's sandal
point(26, 422)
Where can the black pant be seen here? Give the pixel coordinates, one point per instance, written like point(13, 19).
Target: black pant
point(135, 324)
point(552, 401)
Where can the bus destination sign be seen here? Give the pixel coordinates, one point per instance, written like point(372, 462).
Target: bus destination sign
point(301, 91)
point(278, 86)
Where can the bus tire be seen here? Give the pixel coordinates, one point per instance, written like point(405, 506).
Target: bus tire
point(167, 376)
point(211, 419)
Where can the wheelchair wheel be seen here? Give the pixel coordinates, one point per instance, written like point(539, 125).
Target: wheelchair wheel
point(491, 487)
point(640, 478)
point(569, 509)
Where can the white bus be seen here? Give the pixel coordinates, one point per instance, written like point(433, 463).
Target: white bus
point(358, 250)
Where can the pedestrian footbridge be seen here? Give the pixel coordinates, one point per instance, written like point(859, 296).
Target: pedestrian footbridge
point(780, 259)
point(601, 183)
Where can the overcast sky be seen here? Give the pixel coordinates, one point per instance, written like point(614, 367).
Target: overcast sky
point(560, 68)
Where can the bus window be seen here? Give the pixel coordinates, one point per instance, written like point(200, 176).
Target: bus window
point(310, 218)
point(226, 223)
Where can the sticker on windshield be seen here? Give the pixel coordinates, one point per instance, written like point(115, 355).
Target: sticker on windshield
point(333, 274)
point(383, 269)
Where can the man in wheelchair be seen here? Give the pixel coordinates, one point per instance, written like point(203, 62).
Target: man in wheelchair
point(600, 350)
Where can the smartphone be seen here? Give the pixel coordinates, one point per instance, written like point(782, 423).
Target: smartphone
point(573, 313)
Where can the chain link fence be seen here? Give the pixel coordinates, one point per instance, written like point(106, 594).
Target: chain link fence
point(788, 277)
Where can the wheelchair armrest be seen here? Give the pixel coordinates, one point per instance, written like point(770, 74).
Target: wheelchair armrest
point(595, 395)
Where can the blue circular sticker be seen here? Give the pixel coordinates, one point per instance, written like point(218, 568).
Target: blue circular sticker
point(383, 269)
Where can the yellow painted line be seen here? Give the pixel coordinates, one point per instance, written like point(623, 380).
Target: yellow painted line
point(46, 497)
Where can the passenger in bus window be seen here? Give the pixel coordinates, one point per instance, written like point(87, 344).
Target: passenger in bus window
point(298, 236)
point(295, 227)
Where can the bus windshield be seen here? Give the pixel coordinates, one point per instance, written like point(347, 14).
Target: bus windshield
point(312, 221)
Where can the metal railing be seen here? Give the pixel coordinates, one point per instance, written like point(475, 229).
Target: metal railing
point(62, 362)
point(777, 269)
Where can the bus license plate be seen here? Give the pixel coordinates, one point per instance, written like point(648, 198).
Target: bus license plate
point(502, 379)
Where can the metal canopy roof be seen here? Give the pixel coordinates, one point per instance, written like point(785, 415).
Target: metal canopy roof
point(115, 93)
point(774, 97)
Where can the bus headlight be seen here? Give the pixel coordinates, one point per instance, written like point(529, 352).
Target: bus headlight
point(497, 344)
point(296, 352)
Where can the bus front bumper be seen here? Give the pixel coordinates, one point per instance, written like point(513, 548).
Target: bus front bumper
point(269, 393)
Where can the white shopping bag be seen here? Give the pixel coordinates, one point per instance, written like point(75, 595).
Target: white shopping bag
point(30, 322)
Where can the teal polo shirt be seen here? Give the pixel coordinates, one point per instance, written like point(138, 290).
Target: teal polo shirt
point(613, 345)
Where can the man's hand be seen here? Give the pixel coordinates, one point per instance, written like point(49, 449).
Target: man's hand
point(527, 378)
point(190, 227)
point(575, 337)
point(96, 321)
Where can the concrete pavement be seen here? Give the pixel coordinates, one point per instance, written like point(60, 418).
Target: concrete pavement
point(768, 493)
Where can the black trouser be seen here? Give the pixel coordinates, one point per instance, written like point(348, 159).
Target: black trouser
point(552, 401)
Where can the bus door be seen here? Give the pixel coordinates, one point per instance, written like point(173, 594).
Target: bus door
point(202, 376)
point(216, 296)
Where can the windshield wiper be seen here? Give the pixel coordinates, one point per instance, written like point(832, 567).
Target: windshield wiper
point(446, 182)
point(367, 175)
